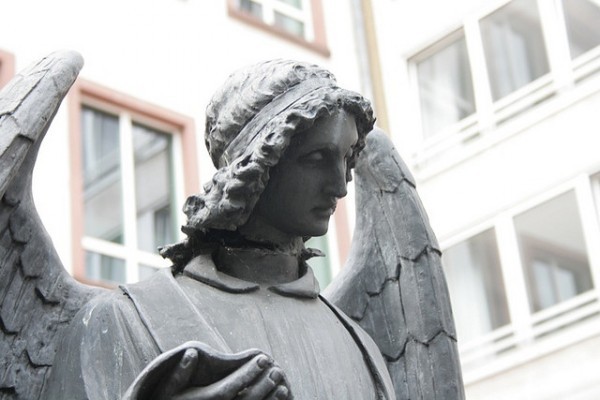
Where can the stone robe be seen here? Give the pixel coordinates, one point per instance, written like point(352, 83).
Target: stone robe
point(323, 353)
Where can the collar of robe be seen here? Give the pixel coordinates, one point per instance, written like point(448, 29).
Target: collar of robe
point(203, 269)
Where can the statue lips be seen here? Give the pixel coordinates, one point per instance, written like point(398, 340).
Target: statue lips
point(325, 211)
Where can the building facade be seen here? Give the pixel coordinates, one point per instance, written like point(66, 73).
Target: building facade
point(494, 105)
point(127, 147)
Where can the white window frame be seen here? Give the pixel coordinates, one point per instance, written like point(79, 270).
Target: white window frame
point(450, 144)
point(129, 110)
point(532, 334)
point(303, 15)
point(458, 131)
point(129, 251)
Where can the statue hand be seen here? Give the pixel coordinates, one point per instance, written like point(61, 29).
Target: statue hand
point(195, 371)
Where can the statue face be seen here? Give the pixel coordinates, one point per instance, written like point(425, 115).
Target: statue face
point(305, 185)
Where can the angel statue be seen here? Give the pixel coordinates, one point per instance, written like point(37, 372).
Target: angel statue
point(239, 314)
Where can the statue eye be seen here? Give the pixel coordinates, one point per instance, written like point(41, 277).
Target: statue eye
point(314, 156)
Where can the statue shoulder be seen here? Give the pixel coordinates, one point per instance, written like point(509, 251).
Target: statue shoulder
point(109, 334)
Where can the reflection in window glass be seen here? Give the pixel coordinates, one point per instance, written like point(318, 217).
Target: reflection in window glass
point(150, 208)
point(445, 87)
point(294, 3)
point(289, 24)
point(251, 7)
point(320, 265)
point(553, 252)
point(287, 15)
point(100, 267)
point(582, 18)
point(476, 286)
point(153, 188)
point(514, 47)
point(103, 211)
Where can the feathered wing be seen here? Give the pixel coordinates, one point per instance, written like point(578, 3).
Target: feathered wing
point(393, 284)
point(37, 296)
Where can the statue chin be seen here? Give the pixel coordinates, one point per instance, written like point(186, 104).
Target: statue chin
point(318, 230)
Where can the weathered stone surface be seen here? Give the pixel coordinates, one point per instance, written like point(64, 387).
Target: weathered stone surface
point(283, 136)
point(395, 260)
point(31, 324)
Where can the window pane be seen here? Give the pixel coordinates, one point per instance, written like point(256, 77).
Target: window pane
point(103, 211)
point(553, 252)
point(293, 3)
point(289, 24)
point(445, 87)
point(251, 8)
point(104, 268)
point(582, 18)
point(514, 47)
point(476, 286)
point(320, 265)
point(153, 188)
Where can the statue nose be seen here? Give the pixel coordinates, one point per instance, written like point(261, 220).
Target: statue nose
point(337, 185)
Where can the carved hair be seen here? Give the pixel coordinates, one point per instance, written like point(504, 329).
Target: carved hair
point(250, 122)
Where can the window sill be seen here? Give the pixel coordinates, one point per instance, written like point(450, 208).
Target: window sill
point(554, 329)
point(467, 140)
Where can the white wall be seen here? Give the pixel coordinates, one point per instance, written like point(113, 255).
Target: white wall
point(524, 161)
point(523, 165)
point(403, 28)
point(173, 53)
point(570, 373)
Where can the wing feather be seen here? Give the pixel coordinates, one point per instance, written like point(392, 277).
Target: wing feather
point(37, 296)
point(393, 284)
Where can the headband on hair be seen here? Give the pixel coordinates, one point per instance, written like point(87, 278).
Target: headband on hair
point(279, 104)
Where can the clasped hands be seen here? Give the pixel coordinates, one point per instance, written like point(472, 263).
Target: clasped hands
point(194, 371)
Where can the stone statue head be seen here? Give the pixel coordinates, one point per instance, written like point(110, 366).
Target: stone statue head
point(250, 123)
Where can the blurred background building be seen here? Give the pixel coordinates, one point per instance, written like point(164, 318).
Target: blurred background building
point(127, 146)
point(494, 104)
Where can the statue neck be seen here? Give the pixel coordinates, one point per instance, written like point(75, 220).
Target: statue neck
point(258, 264)
point(258, 230)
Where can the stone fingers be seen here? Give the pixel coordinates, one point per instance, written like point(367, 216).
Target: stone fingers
point(180, 378)
point(270, 385)
point(230, 386)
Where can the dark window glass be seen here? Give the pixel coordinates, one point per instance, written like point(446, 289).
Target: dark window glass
point(445, 87)
point(100, 267)
point(103, 206)
point(476, 285)
point(289, 24)
point(553, 252)
point(514, 47)
point(582, 18)
point(251, 7)
point(155, 208)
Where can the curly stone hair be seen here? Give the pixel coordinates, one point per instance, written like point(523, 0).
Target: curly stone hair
point(259, 96)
